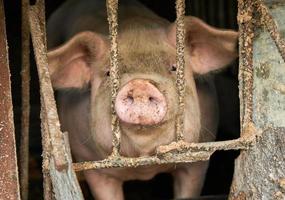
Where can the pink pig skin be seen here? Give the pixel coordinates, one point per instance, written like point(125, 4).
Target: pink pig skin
point(147, 100)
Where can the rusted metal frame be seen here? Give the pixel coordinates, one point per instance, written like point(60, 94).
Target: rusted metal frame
point(246, 26)
point(176, 152)
point(180, 64)
point(53, 129)
point(269, 23)
point(179, 152)
point(112, 11)
point(8, 161)
point(25, 119)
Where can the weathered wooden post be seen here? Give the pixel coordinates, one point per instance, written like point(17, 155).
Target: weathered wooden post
point(260, 170)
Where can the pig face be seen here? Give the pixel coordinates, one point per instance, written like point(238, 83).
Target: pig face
point(146, 103)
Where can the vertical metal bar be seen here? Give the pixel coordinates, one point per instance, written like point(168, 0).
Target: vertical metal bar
point(180, 62)
point(24, 146)
point(246, 27)
point(60, 180)
point(47, 149)
point(8, 162)
point(37, 21)
point(112, 10)
point(47, 185)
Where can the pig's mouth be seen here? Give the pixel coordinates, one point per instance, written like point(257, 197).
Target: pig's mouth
point(144, 127)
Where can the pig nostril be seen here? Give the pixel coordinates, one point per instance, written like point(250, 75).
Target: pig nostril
point(130, 98)
point(151, 99)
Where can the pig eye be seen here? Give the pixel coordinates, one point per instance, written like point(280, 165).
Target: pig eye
point(173, 68)
point(107, 73)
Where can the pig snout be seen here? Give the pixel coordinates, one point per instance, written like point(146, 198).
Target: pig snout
point(139, 102)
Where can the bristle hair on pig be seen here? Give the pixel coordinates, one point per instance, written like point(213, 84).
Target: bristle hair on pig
point(147, 101)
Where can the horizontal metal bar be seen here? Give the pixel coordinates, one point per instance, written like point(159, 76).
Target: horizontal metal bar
point(176, 152)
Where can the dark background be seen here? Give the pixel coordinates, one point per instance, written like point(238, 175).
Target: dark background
point(219, 13)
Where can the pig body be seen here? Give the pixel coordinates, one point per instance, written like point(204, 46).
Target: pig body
point(147, 100)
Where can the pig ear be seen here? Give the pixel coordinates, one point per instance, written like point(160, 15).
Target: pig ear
point(209, 48)
point(70, 64)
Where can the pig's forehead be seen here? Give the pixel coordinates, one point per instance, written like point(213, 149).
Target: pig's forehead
point(147, 59)
point(143, 40)
point(145, 50)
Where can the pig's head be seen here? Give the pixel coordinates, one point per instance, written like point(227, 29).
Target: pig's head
point(147, 101)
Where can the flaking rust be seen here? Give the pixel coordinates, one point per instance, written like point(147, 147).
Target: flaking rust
point(176, 152)
point(60, 180)
point(47, 95)
point(180, 62)
point(112, 11)
point(246, 25)
point(8, 162)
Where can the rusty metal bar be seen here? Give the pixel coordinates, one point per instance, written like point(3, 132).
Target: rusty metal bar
point(47, 183)
point(47, 186)
point(8, 161)
point(246, 27)
point(180, 63)
point(60, 180)
point(47, 148)
point(112, 10)
point(269, 23)
point(176, 152)
point(25, 120)
point(53, 129)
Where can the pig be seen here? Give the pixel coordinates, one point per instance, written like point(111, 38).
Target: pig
point(147, 101)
